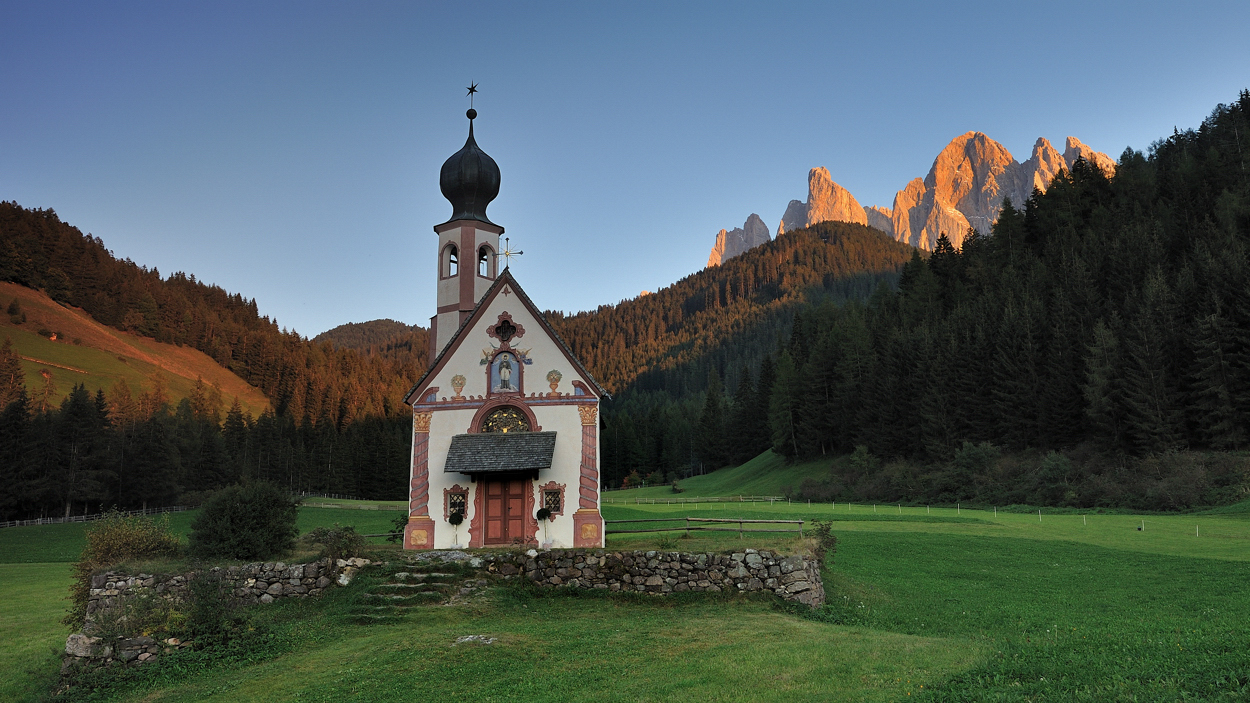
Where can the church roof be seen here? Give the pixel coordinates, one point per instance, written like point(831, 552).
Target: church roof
point(504, 278)
point(500, 451)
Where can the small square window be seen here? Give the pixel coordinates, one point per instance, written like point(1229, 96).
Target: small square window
point(551, 501)
point(456, 503)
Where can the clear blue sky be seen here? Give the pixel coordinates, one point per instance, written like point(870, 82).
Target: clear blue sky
point(290, 151)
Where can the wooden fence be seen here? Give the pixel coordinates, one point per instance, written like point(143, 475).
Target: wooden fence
point(91, 518)
point(704, 499)
point(740, 522)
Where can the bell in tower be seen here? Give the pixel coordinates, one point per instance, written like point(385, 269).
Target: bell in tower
point(468, 243)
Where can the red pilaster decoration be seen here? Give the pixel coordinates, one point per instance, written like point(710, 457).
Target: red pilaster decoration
point(419, 532)
point(587, 522)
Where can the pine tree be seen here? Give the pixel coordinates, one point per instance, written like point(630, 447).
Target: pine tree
point(711, 439)
point(12, 379)
point(1215, 407)
point(1103, 387)
point(786, 407)
point(15, 457)
point(742, 420)
point(761, 430)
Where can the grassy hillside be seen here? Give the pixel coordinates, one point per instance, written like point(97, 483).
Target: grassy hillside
point(98, 356)
point(766, 475)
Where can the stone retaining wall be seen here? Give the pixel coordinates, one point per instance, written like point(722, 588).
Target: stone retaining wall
point(794, 578)
point(262, 582)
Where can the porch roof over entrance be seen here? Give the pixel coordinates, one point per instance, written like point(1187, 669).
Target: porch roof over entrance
point(496, 452)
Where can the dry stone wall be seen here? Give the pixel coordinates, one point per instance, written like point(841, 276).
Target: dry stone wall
point(793, 578)
point(262, 582)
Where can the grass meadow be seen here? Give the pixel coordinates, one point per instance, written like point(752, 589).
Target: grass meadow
point(933, 604)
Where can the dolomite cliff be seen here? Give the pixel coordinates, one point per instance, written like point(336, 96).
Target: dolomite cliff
point(732, 243)
point(969, 181)
point(826, 201)
point(964, 189)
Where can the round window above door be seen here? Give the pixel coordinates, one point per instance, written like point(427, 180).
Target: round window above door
point(506, 419)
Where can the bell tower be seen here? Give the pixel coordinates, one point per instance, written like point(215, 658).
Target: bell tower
point(468, 243)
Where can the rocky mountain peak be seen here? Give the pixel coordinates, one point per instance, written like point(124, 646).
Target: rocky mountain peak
point(1074, 149)
point(731, 243)
point(826, 200)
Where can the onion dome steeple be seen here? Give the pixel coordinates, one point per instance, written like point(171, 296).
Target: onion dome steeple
point(469, 180)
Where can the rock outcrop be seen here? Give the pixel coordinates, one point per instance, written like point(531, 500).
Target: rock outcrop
point(1074, 149)
point(826, 201)
point(733, 242)
point(881, 218)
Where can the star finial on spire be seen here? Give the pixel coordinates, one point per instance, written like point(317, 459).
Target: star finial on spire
point(508, 252)
point(472, 89)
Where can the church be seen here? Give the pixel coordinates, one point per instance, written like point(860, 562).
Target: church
point(505, 422)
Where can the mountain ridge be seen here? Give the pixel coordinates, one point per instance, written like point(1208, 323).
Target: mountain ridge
point(964, 189)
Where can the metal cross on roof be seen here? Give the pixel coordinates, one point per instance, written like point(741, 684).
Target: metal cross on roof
point(508, 252)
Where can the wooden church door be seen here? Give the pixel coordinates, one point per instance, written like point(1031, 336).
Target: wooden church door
point(505, 510)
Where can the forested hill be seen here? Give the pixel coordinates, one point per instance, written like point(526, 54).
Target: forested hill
point(363, 336)
point(300, 378)
point(1108, 319)
point(728, 316)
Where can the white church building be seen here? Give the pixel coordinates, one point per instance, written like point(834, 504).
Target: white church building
point(505, 422)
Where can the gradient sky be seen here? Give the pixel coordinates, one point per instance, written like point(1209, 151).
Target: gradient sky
point(290, 151)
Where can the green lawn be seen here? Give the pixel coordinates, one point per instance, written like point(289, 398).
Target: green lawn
point(765, 475)
point(969, 604)
point(586, 649)
point(32, 603)
point(63, 543)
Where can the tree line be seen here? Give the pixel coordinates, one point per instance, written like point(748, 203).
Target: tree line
point(132, 450)
point(1107, 319)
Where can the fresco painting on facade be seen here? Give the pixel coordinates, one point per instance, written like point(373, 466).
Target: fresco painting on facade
point(501, 374)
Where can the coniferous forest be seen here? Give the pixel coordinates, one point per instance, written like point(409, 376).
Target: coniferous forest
point(1093, 349)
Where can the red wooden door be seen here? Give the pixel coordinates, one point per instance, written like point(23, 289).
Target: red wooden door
point(516, 509)
point(496, 509)
point(505, 510)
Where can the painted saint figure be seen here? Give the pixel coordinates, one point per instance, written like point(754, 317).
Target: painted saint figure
point(505, 373)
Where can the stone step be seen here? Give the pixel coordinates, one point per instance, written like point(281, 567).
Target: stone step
point(376, 619)
point(419, 584)
point(421, 575)
point(420, 595)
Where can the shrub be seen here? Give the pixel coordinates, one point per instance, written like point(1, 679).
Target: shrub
point(338, 542)
point(397, 528)
point(251, 522)
point(826, 541)
point(213, 616)
point(114, 539)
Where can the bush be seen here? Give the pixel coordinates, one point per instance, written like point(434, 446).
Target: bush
point(338, 542)
point(214, 618)
point(114, 539)
point(397, 528)
point(251, 522)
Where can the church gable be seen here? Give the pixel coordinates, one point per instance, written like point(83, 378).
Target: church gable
point(505, 349)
